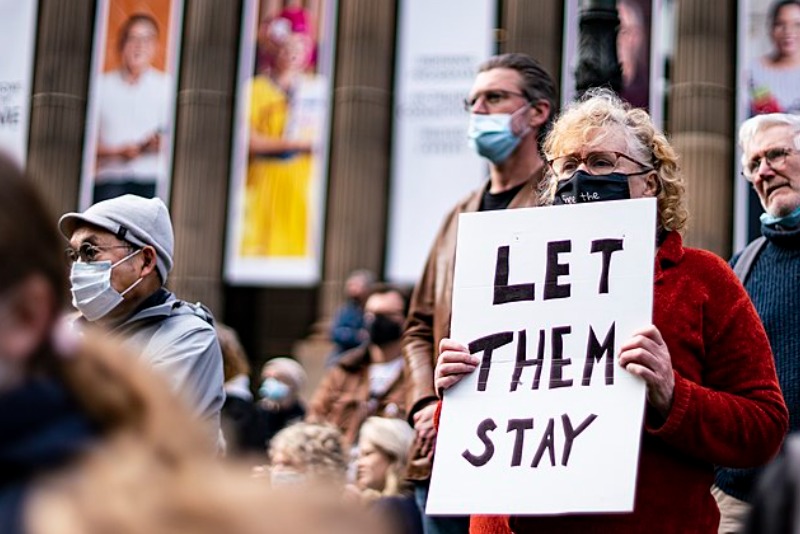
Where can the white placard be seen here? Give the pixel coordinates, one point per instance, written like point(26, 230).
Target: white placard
point(569, 443)
point(432, 166)
point(18, 39)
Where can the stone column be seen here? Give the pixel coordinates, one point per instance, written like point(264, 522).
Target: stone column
point(360, 145)
point(58, 105)
point(534, 28)
point(701, 116)
point(202, 148)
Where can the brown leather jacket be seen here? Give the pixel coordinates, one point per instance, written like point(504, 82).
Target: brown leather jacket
point(429, 312)
point(343, 397)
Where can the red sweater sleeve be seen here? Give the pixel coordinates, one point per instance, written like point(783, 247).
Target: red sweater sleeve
point(727, 405)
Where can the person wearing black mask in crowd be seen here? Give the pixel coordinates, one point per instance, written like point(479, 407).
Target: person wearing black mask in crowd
point(367, 380)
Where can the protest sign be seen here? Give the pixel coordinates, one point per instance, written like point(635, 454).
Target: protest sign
point(549, 422)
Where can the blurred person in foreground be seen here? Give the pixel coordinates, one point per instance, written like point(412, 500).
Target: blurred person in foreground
point(776, 496)
point(64, 397)
point(121, 253)
point(712, 394)
point(771, 163)
point(511, 104)
point(347, 331)
point(383, 447)
point(279, 404)
point(368, 380)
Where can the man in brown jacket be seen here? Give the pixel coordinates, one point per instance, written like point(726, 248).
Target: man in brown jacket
point(367, 380)
point(511, 105)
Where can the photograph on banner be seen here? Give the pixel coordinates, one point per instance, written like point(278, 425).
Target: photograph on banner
point(435, 70)
point(17, 33)
point(638, 51)
point(545, 297)
point(769, 82)
point(131, 112)
point(280, 154)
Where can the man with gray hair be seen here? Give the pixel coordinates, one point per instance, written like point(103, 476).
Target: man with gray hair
point(121, 254)
point(770, 269)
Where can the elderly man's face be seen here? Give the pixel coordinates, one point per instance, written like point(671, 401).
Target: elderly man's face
point(109, 248)
point(777, 184)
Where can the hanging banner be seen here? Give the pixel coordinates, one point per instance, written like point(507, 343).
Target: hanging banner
point(18, 39)
point(432, 166)
point(131, 113)
point(768, 81)
point(545, 297)
point(639, 51)
point(280, 155)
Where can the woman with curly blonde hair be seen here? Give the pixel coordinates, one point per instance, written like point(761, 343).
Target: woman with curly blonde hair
point(598, 119)
point(307, 453)
point(712, 394)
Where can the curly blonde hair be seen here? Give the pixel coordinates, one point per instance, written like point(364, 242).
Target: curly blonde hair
point(317, 447)
point(591, 118)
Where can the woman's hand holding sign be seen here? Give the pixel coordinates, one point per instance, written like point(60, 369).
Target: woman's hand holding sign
point(454, 363)
point(646, 355)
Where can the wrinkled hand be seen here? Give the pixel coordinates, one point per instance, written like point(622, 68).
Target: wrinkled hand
point(646, 355)
point(454, 363)
point(426, 431)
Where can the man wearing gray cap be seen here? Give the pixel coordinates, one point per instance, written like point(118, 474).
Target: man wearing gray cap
point(121, 255)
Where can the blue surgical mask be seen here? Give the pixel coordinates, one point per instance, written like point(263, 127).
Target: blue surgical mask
point(790, 221)
point(274, 390)
point(492, 136)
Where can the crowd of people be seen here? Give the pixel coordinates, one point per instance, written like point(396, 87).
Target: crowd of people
point(137, 411)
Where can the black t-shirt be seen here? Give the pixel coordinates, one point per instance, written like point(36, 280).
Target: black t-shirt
point(499, 201)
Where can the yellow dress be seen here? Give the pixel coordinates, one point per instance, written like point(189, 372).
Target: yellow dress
point(277, 188)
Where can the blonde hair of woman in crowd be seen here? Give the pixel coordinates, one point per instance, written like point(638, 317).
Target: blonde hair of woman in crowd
point(307, 453)
point(590, 117)
point(389, 440)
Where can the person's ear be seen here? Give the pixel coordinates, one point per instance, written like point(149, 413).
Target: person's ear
point(149, 259)
point(539, 113)
point(652, 184)
point(27, 316)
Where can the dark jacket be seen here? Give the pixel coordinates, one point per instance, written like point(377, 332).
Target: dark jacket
point(41, 429)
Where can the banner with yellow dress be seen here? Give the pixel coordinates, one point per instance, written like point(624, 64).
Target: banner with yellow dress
point(279, 162)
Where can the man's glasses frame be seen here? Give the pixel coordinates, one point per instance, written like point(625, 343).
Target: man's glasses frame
point(775, 157)
point(88, 252)
point(492, 97)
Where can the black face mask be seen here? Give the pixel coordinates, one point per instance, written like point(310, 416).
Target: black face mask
point(382, 330)
point(584, 187)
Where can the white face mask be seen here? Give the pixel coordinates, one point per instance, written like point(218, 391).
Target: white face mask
point(92, 293)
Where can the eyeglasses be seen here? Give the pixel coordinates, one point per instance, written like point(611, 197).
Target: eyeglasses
point(491, 98)
point(88, 252)
point(597, 163)
point(775, 157)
